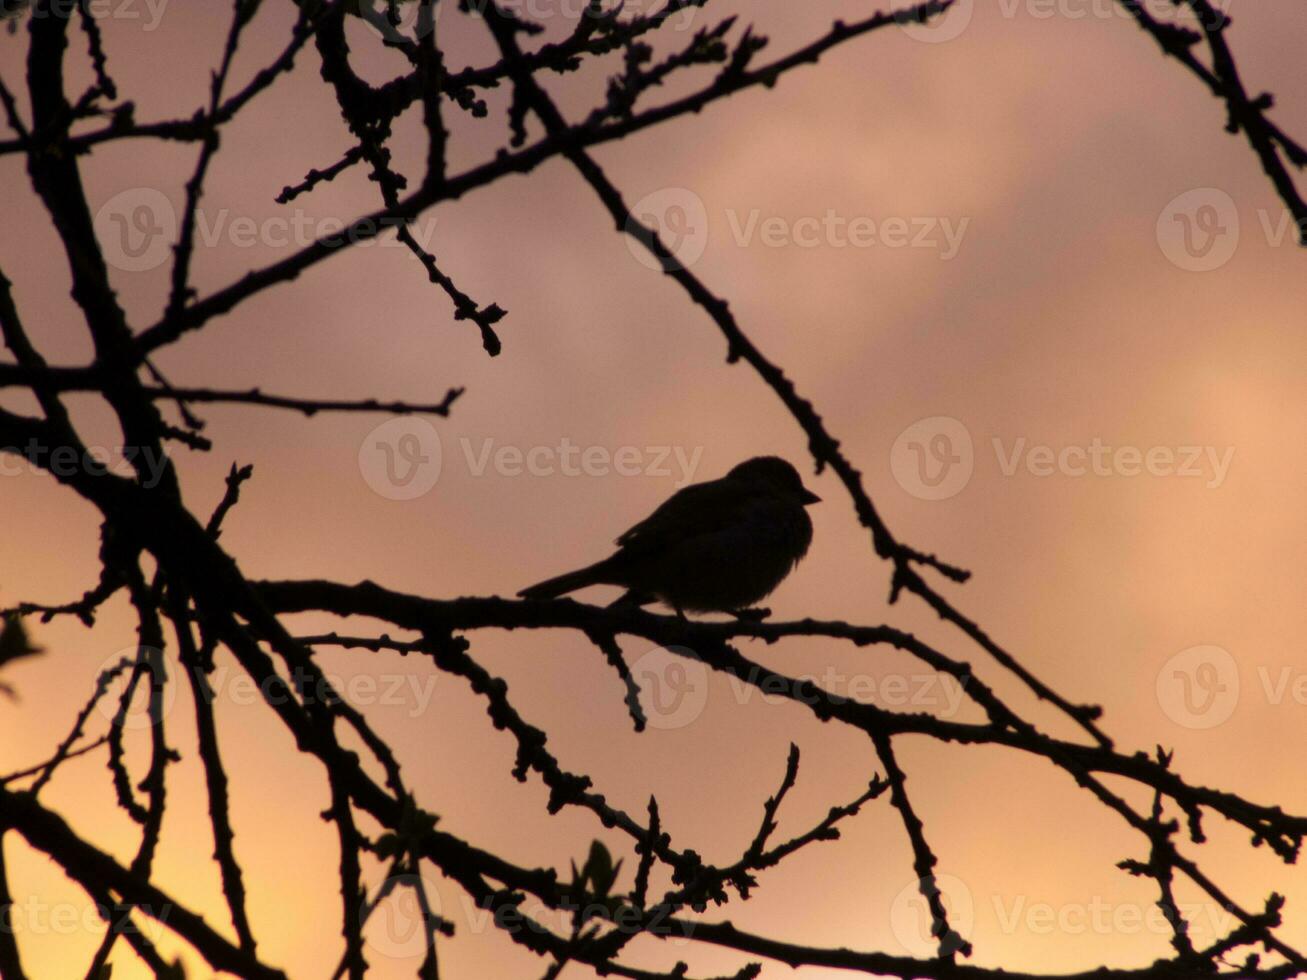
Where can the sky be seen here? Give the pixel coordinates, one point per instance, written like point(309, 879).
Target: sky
point(1050, 308)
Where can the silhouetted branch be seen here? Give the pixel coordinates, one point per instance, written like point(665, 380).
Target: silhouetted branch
point(607, 643)
point(99, 873)
point(215, 777)
point(1222, 79)
point(369, 226)
point(11, 964)
point(309, 406)
point(51, 764)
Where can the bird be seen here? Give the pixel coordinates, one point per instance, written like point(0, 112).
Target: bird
point(718, 546)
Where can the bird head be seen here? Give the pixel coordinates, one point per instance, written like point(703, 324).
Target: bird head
point(777, 475)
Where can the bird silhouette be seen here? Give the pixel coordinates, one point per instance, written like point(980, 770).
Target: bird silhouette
point(718, 546)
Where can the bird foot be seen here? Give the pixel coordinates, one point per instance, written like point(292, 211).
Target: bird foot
point(754, 615)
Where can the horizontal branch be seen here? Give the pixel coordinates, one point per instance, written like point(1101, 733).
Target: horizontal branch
point(724, 934)
point(309, 406)
point(710, 642)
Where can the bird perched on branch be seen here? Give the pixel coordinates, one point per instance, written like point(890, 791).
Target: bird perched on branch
point(718, 546)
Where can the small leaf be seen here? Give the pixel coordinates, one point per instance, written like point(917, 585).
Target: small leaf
point(599, 870)
point(14, 641)
point(599, 865)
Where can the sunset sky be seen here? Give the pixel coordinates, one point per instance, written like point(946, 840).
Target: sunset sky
point(1050, 308)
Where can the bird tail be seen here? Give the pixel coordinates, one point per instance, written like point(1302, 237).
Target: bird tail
point(559, 585)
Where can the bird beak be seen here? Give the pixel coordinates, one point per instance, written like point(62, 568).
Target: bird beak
point(808, 497)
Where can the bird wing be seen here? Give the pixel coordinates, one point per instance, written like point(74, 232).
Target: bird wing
point(703, 508)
